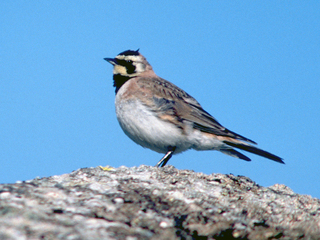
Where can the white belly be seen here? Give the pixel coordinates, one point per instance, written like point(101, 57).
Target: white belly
point(147, 130)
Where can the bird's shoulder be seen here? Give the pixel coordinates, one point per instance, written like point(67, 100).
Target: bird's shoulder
point(163, 89)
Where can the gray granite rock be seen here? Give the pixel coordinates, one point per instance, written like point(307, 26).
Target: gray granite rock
point(154, 203)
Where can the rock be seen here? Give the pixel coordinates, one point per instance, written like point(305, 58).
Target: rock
point(154, 203)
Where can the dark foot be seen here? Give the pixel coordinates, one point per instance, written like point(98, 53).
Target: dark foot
point(166, 157)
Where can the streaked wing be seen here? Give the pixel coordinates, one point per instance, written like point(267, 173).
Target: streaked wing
point(206, 123)
point(173, 104)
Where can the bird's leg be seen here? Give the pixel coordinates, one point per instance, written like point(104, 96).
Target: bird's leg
point(163, 161)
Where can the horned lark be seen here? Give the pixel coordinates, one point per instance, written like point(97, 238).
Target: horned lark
point(157, 114)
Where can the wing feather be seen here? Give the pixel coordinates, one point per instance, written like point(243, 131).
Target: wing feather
point(168, 99)
point(173, 104)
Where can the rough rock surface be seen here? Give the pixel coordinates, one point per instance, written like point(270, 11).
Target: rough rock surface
point(154, 203)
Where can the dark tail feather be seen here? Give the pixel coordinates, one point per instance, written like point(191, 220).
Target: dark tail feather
point(234, 153)
point(255, 150)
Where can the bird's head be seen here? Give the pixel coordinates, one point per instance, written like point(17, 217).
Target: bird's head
point(129, 64)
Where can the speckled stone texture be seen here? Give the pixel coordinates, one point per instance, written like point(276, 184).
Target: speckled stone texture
point(154, 203)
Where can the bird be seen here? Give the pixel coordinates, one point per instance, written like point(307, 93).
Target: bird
point(158, 115)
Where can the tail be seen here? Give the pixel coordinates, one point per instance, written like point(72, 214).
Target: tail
point(233, 153)
point(248, 148)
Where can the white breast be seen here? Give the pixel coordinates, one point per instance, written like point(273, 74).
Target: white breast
point(146, 129)
point(143, 126)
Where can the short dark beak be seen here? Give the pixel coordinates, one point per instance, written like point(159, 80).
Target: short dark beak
point(113, 61)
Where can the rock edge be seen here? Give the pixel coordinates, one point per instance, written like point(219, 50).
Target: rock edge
point(154, 203)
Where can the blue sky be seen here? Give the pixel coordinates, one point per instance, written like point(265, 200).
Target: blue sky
point(254, 65)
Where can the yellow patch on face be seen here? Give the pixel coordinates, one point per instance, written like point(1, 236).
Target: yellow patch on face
point(118, 69)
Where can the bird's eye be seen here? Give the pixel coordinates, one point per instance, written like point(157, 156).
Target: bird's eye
point(131, 68)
